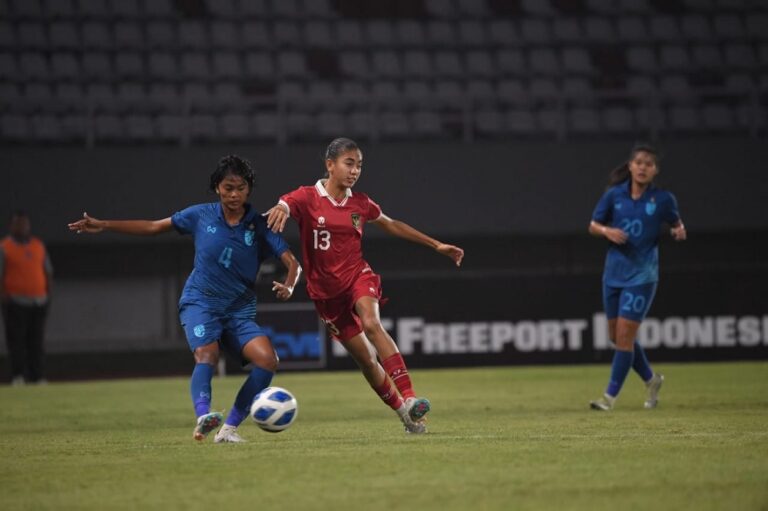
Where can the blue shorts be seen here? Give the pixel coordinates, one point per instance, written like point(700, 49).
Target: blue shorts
point(631, 302)
point(232, 328)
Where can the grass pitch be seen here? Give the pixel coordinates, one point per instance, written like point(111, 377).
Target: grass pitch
point(500, 438)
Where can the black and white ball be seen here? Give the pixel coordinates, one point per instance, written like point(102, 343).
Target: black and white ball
point(274, 409)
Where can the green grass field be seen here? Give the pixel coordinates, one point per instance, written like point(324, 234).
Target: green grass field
point(500, 438)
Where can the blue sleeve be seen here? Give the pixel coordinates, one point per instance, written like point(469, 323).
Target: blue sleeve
point(604, 210)
point(185, 221)
point(671, 213)
point(270, 244)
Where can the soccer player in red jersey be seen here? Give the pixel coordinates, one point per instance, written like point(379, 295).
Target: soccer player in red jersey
point(343, 286)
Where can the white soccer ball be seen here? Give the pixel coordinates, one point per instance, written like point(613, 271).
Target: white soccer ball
point(274, 409)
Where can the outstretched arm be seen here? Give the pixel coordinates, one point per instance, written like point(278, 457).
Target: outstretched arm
point(405, 231)
point(91, 225)
point(285, 290)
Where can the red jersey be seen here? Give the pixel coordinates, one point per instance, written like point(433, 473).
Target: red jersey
point(331, 237)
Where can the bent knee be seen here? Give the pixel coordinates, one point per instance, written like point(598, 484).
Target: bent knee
point(372, 327)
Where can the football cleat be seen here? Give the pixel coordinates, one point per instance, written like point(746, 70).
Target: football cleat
point(653, 386)
point(413, 427)
point(417, 407)
point(228, 434)
point(604, 404)
point(207, 423)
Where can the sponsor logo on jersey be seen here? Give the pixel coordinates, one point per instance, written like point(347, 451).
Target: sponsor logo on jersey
point(210, 229)
point(355, 220)
point(249, 238)
point(199, 330)
point(321, 220)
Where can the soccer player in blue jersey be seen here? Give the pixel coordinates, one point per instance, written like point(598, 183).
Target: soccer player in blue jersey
point(630, 215)
point(218, 305)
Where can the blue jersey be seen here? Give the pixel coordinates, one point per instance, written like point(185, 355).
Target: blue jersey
point(227, 257)
point(637, 261)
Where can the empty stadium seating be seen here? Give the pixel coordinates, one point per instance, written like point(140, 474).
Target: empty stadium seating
point(164, 71)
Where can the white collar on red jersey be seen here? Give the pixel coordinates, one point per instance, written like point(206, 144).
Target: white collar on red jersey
point(320, 187)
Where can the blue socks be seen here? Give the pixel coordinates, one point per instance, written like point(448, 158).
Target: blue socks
point(640, 364)
point(200, 388)
point(622, 361)
point(258, 380)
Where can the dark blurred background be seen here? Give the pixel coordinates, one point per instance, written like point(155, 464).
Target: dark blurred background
point(488, 123)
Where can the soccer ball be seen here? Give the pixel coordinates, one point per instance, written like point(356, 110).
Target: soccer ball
point(274, 409)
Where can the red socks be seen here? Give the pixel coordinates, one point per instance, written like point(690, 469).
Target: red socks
point(389, 395)
point(394, 366)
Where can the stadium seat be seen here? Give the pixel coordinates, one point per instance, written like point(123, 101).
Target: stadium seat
point(330, 124)
point(675, 58)
point(544, 61)
point(108, 127)
point(535, 31)
point(202, 127)
point(129, 65)
point(350, 34)
point(707, 56)
point(286, 34)
point(194, 65)
point(34, 66)
point(63, 35)
point(65, 66)
point(441, 34)
point(410, 33)
point(576, 61)
point(386, 64)
point(489, 122)
point(567, 30)
point(729, 27)
point(255, 35)
point(128, 35)
point(235, 127)
point(472, 34)
point(193, 35)
point(259, 66)
point(617, 119)
point(599, 30)
point(511, 92)
point(46, 128)
point(584, 120)
point(739, 56)
point(479, 64)
point(225, 35)
point(417, 93)
point(32, 36)
point(696, 27)
point(139, 127)
point(504, 33)
point(96, 35)
point(447, 64)
point(171, 127)
point(161, 35)
point(227, 66)
point(130, 97)
point(664, 29)
point(379, 34)
point(265, 126)
point(632, 30)
point(163, 66)
point(520, 122)
point(511, 63)
point(425, 123)
point(317, 34)
point(418, 64)
point(394, 125)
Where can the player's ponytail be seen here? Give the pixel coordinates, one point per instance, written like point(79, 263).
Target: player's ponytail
point(621, 173)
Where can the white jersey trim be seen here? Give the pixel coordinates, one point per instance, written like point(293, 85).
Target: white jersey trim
point(287, 207)
point(320, 187)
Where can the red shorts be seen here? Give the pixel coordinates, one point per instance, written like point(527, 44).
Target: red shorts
point(338, 313)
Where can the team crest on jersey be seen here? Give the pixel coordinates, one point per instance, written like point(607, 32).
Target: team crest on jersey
point(249, 238)
point(650, 207)
point(617, 205)
point(355, 220)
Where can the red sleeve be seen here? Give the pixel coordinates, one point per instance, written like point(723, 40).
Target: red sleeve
point(295, 201)
point(374, 210)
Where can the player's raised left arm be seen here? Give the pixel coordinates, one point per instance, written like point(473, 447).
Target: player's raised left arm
point(405, 231)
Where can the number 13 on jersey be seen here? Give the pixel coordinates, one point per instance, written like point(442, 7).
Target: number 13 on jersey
point(321, 239)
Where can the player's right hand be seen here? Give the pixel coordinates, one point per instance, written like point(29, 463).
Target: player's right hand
point(617, 236)
point(276, 218)
point(87, 224)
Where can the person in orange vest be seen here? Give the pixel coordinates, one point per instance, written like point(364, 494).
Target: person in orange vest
point(25, 286)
